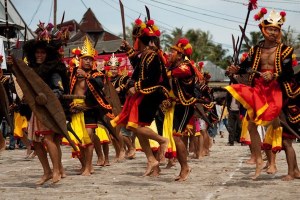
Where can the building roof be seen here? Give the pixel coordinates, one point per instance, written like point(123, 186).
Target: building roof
point(89, 23)
point(216, 72)
point(15, 18)
point(89, 26)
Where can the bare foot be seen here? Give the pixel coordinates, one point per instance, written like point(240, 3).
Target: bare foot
point(86, 173)
point(131, 154)
point(150, 167)
point(92, 171)
point(287, 178)
point(44, 179)
point(257, 171)
point(106, 163)
point(56, 177)
point(100, 162)
point(32, 155)
point(122, 155)
point(272, 170)
point(155, 172)
point(163, 149)
point(250, 161)
point(184, 174)
point(170, 164)
point(63, 173)
point(297, 174)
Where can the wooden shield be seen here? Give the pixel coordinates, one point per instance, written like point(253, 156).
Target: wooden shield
point(4, 106)
point(112, 97)
point(41, 99)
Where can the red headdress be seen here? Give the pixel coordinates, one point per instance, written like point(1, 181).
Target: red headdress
point(183, 46)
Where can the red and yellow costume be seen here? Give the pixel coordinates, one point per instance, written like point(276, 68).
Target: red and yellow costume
point(263, 100)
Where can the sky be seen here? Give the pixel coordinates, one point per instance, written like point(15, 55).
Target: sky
point(220, 17)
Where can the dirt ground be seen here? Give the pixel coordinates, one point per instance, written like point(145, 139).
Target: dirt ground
point(222, 175)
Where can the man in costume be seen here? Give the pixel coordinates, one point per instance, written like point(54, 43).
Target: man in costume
point(270, 65)
point(291, 116)
point(2, 140)
point(43, 57)
point(145, 90)
point(87, 81)
point(181, 75)
point(119, 82)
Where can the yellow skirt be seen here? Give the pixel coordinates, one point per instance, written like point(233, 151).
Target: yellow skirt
point(153, 144)
point(21, 125)
point(78, 125)
point(102, 134)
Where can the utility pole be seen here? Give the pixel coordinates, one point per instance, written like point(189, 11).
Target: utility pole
point(54, 14)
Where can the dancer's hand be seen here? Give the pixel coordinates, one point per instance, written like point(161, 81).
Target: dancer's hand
point(268, 76)
point(131, 91)
point(125, 45)
point(232, 70)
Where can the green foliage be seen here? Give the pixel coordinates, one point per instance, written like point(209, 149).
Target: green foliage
point(203, 46)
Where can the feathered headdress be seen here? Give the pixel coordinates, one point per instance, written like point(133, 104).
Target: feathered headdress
point(183, 46)
point(147, 28)
point(275, 19)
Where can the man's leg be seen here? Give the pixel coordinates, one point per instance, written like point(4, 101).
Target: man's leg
point(231, 128)
point(182, 159)
point(57, 141)
point(105, 148)
point(144, 142)
point(272, 169)
point(26, 142)
point(2, 142)
point(256, 145)
point(54, 156)
point(293, 170)
point(147, 133)
point(98, 149)
point(89, 155)
point(42, 156)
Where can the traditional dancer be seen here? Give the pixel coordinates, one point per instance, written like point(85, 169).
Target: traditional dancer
point(43, 57)
point(182, 79)
point(270, 65)
point(88, 82)
point(145, 90)
point(119, 82)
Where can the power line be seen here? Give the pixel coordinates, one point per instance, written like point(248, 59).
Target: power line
point(156, 20)
point(51, 7)
point(181, 14)
point(84, 4)
point(208, 15)
point(35, 12)
point(236, 2)
point(289, 2)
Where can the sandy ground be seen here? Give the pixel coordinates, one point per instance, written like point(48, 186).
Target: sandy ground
point(222, 175)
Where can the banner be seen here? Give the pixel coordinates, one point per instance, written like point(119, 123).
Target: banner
point(3, 64)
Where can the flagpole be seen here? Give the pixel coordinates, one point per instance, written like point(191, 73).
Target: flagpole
point(54, 14)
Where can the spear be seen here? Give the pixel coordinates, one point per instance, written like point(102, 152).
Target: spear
point(7, 28)
point(251, 5)
point(123, 19)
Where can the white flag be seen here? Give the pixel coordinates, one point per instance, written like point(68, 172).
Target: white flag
point(3, 64)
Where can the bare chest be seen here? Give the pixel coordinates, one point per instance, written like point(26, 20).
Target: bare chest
point(267, 60)
point(80, 87)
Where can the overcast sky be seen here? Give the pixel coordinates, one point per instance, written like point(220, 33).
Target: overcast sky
point(220, 17)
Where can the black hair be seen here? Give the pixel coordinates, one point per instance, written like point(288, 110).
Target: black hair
point(51, 48)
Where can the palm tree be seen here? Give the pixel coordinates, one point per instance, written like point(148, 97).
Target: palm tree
point(255, 37)
point(169, 39)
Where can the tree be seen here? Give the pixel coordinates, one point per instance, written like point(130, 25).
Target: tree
point(169, 39)
point(255, 37)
